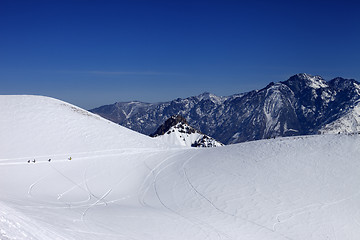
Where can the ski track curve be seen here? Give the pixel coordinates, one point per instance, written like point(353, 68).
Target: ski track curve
point(194, 221)
point(154, 173)
point(222, 211)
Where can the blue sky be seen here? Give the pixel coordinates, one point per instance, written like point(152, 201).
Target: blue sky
point(92, 53)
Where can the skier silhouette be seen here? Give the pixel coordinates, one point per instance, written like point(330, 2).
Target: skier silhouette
point(49, 159)
point(33, 161)
point(28, 161)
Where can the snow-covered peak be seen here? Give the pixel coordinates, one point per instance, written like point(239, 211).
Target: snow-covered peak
point(341, 83)
point(173, 121)
point(132, 104)
point(211, 97)
point(349, 122)
point(315, 82)
point(177, 131)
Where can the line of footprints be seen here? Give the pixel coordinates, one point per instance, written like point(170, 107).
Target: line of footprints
point(34, 161)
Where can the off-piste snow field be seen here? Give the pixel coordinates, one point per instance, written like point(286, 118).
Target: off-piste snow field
point(68, 174)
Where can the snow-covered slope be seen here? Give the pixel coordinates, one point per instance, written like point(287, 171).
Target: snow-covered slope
point(177, 131)
point(349, 122)
point(347, 119)
point(42, 126)
point(286, 188)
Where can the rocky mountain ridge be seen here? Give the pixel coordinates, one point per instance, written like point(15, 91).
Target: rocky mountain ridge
point(177, 131)
point(171, 122)
point(302, 105)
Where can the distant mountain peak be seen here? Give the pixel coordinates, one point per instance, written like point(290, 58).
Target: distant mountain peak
point(206, 95)
point(342, 83)
point(211, 97)
point(306, 76)
point(302, 80)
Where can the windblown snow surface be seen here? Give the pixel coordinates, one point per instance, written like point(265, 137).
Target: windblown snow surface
point(123, 185)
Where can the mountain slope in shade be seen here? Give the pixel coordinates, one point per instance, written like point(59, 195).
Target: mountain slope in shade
point(348, 122)
point(346, 117)
point(123, 185)
point(177, 131)
point(147, 117)
point(302, 105)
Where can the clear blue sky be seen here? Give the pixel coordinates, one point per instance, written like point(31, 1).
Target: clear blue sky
point(92, 53)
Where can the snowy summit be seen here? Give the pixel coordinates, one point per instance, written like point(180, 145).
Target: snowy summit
point(177, 131)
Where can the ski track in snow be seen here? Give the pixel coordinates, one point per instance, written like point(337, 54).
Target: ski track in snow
point(194, 221)
point(142, 191)
point(31, 187)
point(85, 181)
point(217, 231)
point(152, 180)
point(146, 185)
point(159, 169)
point(201, 195)
point(108, 192)
point(155, 173)
point(75, 185)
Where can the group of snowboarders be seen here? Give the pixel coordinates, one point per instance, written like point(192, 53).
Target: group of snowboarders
point(49, 160)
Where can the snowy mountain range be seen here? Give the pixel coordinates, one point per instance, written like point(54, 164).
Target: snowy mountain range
point(104, 181)
point(301, 105)
point(177, 131)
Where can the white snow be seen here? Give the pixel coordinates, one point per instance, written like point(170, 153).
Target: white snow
point(41, 126)
point(212, 97)
point(315, 82)
point(180, 138)
point(348, 123)
point(123, 185)
point(272, 107)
